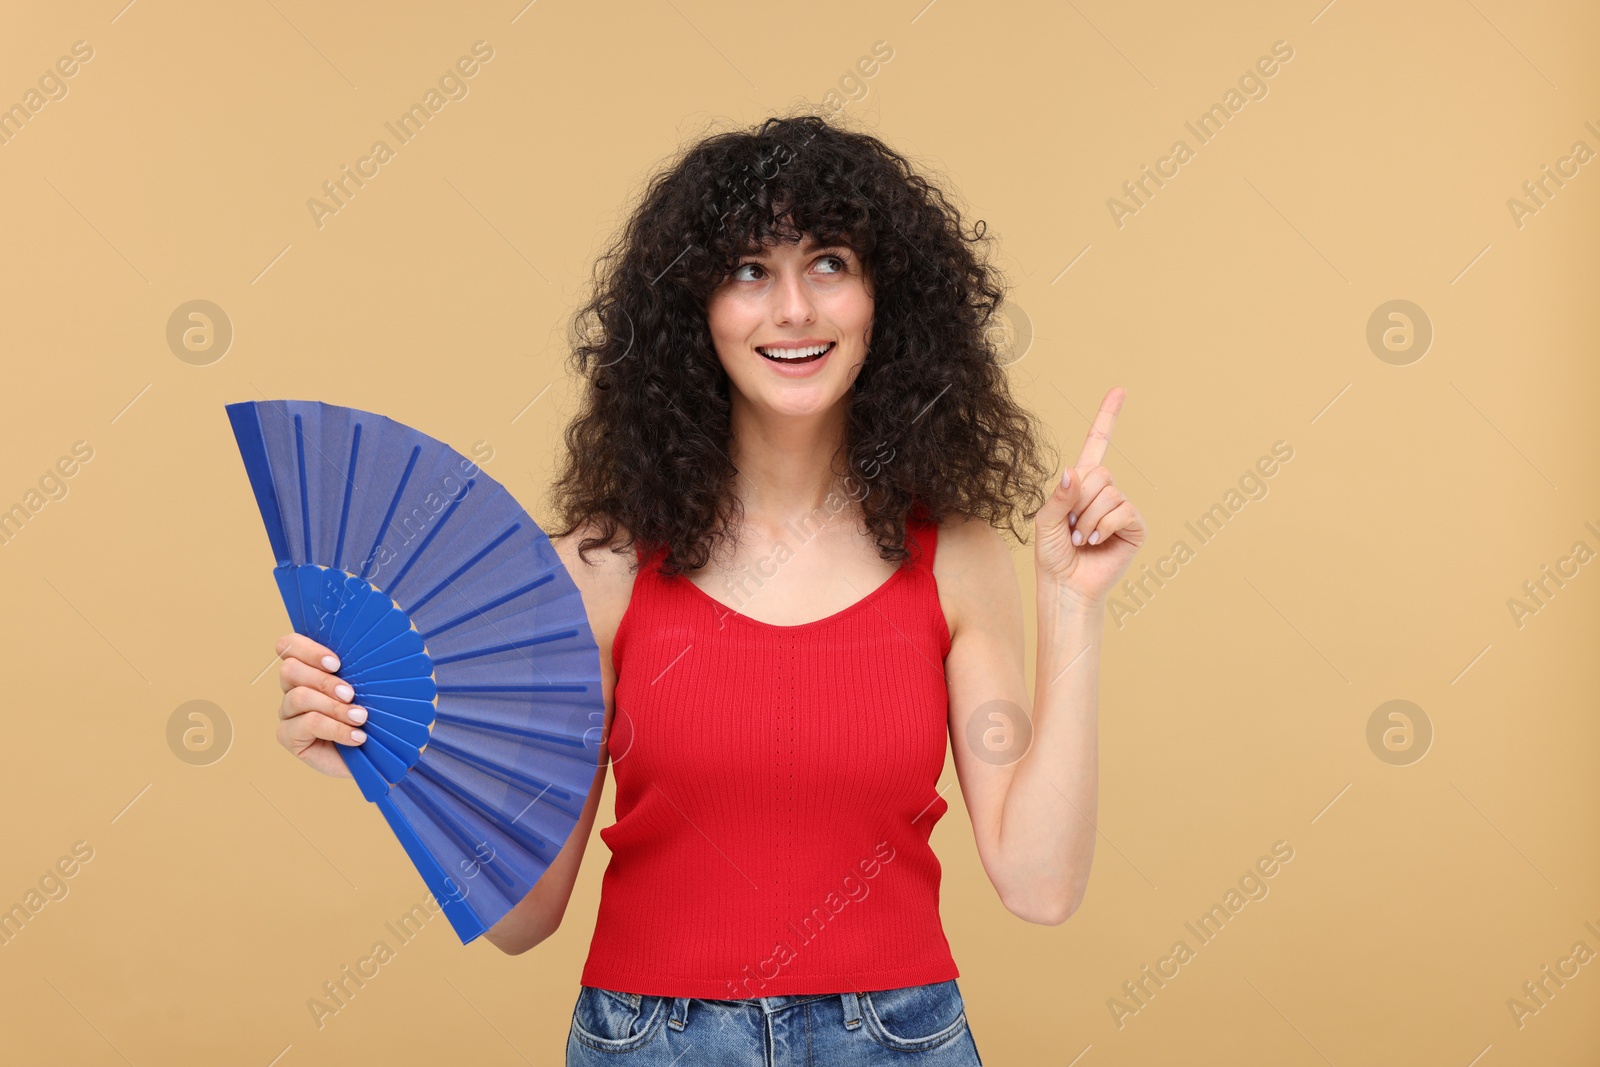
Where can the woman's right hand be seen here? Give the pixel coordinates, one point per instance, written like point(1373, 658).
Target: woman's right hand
point(314, 712)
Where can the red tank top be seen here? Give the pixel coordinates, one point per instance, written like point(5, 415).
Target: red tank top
point(775, 790)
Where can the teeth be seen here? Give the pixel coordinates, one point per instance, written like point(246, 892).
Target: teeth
point(794, 353)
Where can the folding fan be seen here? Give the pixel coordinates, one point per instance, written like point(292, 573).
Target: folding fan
point(458, 627)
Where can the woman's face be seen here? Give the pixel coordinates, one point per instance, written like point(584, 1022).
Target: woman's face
point(785, 300)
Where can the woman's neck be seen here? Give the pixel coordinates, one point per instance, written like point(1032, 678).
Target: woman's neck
point(786, 463)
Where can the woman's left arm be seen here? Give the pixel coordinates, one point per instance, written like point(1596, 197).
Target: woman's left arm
point(1031, 778)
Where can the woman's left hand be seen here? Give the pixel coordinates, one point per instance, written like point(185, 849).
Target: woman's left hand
point(1087, 532)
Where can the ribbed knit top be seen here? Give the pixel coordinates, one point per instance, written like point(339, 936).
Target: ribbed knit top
point(775, 790)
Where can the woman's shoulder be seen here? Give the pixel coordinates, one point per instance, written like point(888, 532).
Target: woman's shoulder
point(972, 561)
point(968, 540)
point(604, 579)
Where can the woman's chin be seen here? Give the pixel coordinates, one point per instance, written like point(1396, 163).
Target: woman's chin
point(797, 403)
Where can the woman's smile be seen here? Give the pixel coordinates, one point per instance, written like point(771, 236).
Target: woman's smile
point(796, 359)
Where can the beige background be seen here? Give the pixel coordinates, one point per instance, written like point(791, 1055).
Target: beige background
point(1233, 306)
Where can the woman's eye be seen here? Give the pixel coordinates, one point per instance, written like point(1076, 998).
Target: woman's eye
point(738, 275)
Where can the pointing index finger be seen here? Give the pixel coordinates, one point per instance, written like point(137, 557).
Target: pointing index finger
point(1094, 446)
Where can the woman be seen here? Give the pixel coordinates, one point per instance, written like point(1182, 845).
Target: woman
point(798, 443)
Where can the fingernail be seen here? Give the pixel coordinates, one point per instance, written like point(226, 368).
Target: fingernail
point(343, 692)
point(330, 663)
point(358, 736)
point(358, 714)
point(1066, 477)
point(1077, 537)
point(1094, 537)
point(1072, 518)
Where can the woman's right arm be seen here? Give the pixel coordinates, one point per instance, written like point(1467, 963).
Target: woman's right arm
point(315, 712)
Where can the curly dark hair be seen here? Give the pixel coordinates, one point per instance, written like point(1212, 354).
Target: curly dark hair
point(649, 449)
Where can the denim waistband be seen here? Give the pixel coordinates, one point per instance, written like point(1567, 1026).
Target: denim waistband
point(678, 1017)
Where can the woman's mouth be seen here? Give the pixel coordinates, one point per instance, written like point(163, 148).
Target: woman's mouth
point(795, 356)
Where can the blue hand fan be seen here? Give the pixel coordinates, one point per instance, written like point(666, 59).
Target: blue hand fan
point(458, 627)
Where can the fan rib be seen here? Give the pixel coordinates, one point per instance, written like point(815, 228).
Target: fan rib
point(495, 770)
point(510, 646)
point(245, 418)
point(367, 678)
point(449, 824)
point(527, 835)
point(383, 528)
point(531, 688)
point(537, 851)
point(464, 616)
point(402, 748)
point(417, 678)
point(468, 565)
point(426, 541)
point(414, 734)
point(349, 619)
point(306, 578)
point(391, 766)
point(289, 587)
point(463, 918)
point(350, 639)
point(393, 624)
point(409, 688)
point(522, 835)
point(349, 489)
point(369, 660)
point(373, 787)
point(419, 711)
point(503, 728)
point(305, 502)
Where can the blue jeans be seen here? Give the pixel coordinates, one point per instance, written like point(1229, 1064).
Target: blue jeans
point(808, 1030)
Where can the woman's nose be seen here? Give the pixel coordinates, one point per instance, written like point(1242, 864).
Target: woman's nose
point(793, 300)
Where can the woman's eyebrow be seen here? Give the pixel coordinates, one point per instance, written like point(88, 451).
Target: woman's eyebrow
point(814, 248)
point(808, 247)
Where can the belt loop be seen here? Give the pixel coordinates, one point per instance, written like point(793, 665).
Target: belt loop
point(680, 1013)
point(852, 1010)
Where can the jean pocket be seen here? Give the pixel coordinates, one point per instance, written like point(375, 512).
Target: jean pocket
point(915, 1018)
point(609, 1021)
